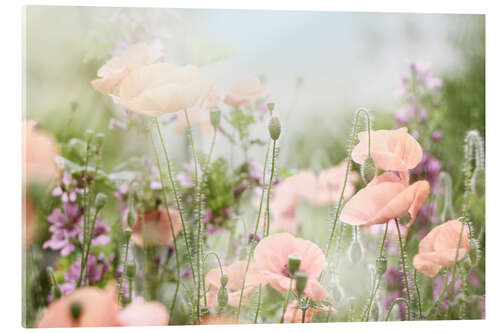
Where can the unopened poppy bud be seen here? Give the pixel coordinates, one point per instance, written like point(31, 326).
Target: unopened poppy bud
point(300, 281)
point(223, 280)
point(215, 116)
point(478, 181)
point(89, 135)
point(131, 218)
point(76, 310)
point(274, 128)
point(270, 106)
point(356, 252)
point(100, 200)
point(381, 266)
point(127, 232)
point(222, 297)
point(368, 170)
point(131, 271)
point(293, 264)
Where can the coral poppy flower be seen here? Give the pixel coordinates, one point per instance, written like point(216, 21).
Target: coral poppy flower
point(40, 149)
point(117, 68)
point(439, 248)
point(385, 197)
point(394, 150)
point(271, 259)
point(244, 92)
point(284, 204)
point(142, 313)
point(162, 88)
point(235, 274)
point(294, 315)
point(98, 308)
point(157, 227)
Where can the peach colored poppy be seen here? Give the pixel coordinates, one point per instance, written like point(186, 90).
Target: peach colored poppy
point(439, 248)
point(394, 150)
point(385, 197)
point(244, 91)
point(284, 204)
point(162, 88)
point(117, 68)
point(40, 150)
point(99, 308)
point(271, 259)
point(142, 313)
point(235, 274)
point(294, 315)
point(157, 227)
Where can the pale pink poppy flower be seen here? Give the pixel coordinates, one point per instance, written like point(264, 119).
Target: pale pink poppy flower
point(394, 150)
point(117, 68)
point(271, 259)
point(235, 274)
point(244, 91)
point(40, 149)
point(439, 248)
point(142, 313)
point(98, 308)
point(386, 197)
point(157, 227)
point(162, 88)
point(284, 203)
point(294, 315)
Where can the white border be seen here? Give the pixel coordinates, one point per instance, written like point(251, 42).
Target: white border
point(10, 175)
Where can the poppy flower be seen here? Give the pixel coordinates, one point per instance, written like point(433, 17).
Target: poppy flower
point(156, 227)
point(112, 73)
point(162, 88)
point(386, 197)
point(271, 259)
point(98, 308)
point(142, 313)
point(391, 150)
point(235, 274)
point(439, 248)
point(244, 91)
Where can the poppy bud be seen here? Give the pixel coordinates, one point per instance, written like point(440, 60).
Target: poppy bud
point(127, 232)
point(368, 170)
point(381, 265)
point(223, 280)
point(274, 128)
point(89, 135)
point(478, 182)
point(215, 116)
point(76, 310)
point(293, 264)
point(222, 296)
point(100, 200)
point(131, 271)
point(270, 106)
point(300, 281)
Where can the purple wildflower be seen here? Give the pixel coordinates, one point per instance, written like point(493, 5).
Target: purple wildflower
point(96, 267)
point(65, 225)
point(68, 190)
point(437, 136)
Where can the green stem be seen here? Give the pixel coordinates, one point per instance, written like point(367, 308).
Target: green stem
point(402, 253)
point(397, 300)
point(254, 240)
point(268, 214)
point(259, 299)
point(419, 303)
point(437, 304)
point(287, 299)
point(123, 270)
point(177, 198)
point(174, 237)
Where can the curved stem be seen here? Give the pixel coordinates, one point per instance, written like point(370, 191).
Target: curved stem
point(220, 269)
point(268, 214)
point(419, 303)
point(440, 299)
point(397, 300)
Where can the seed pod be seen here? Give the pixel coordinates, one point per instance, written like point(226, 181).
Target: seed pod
point(223, 280)
point(368, 170)
point(76, 310)
point(100, 200)
point(274, 128)
point(381, 265)
point(293, 264)
point(300, 281)
point(215, 117)
point(131, 271)
point(222, 297)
